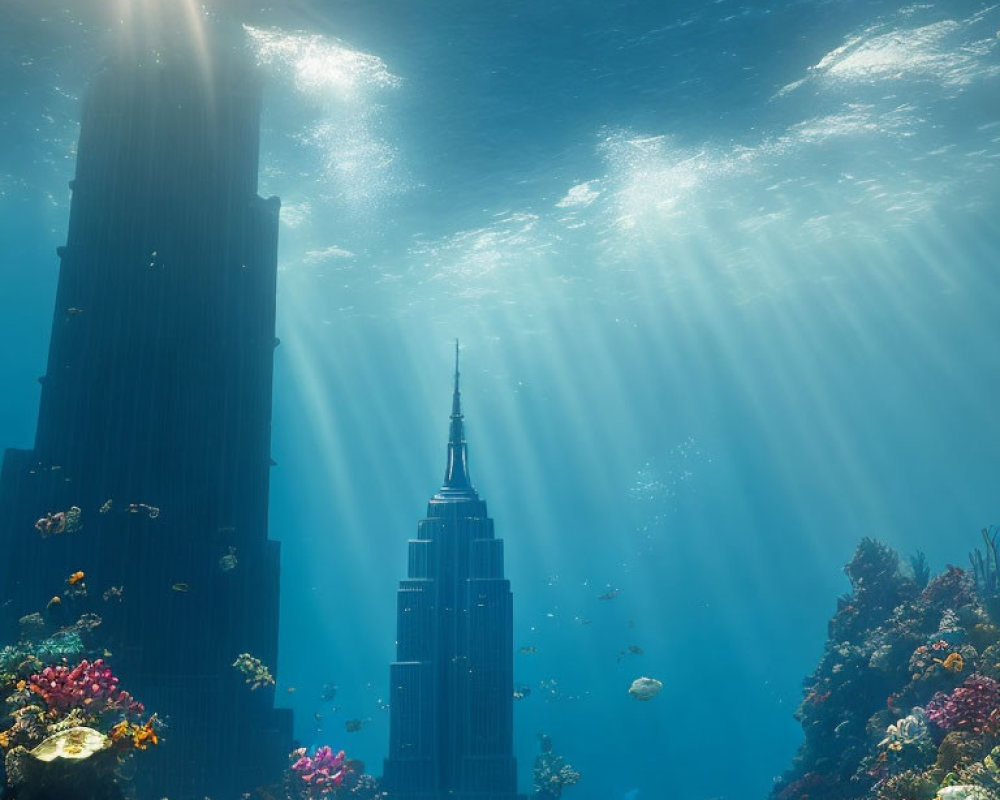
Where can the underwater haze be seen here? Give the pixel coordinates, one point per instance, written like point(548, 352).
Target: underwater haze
point(725, 278)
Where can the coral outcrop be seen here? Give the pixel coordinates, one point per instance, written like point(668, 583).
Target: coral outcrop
point(905, 701)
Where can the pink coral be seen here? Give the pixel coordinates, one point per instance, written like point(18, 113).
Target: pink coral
point(967, 708)
point(89, 686)
point(324, 771)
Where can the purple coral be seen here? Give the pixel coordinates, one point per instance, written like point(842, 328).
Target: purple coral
point(89, 686)
point(967, 708)
point(323, 771)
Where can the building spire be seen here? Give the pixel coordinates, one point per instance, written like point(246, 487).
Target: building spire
point(456, 476)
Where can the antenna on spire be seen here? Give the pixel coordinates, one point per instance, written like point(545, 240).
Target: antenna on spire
point(456, 434)
point(456, 475)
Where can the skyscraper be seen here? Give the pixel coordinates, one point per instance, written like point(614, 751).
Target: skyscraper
point(451, 692)
point(155, 415)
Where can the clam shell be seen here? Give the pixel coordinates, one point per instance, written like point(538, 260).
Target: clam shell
point(72, 743)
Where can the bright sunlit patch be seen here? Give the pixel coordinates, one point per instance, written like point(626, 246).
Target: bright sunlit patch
point(326, 254)
point(484, 254)
point(583, 194)
point(154, 27)
point(655, 178)
point(342, 124)
point(954, 53)
point(322, 66)
point(855, 120)
point(294, 215)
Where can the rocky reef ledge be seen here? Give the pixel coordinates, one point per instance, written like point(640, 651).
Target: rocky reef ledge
point(905, 701)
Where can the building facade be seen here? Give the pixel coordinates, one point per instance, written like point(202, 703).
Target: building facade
point(451, 693)
point(155, 412)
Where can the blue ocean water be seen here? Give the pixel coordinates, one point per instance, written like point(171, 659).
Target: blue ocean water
point(724, 277)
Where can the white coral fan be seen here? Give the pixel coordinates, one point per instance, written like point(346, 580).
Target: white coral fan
point(910, 730)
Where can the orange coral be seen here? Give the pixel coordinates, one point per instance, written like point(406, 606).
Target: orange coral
point(953, 662)
point(139, 736)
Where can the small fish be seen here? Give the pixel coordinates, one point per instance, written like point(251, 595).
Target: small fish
point(635, 650)
point(74, 310)
point(54, 601)
point(611, 594)
point(353, 725)
point(528, 650)
point(521, 691)
point(228, 562)
point(290, 689)
point(107, 654)
point(113, 593)
point(76, 577)
point(329, 692)
point(180, 587)
point(317, 716)
point(582, 620)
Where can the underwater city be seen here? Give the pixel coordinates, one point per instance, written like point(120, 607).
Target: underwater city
point(500, 399)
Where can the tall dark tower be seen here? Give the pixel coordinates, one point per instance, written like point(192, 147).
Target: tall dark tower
point(155, 415)
point(451, 695)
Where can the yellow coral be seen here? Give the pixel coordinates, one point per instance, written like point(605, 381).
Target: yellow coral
point(953, 662)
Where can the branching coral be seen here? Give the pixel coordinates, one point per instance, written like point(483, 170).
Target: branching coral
point(256, 674)
point(91, 686)
point(551, 773)
point(321, 772)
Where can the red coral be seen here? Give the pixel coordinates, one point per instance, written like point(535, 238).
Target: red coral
point(89, 686)
point(967, 708)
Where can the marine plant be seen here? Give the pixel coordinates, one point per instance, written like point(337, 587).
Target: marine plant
point(551, 773)
point(986, 569)
point(920, 568)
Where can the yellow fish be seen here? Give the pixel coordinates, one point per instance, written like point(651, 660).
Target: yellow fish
point(180, 587)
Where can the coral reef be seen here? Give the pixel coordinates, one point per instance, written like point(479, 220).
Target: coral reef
point(66, 725)
point(324, 775)
point(322, 772)
point(905, 701)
